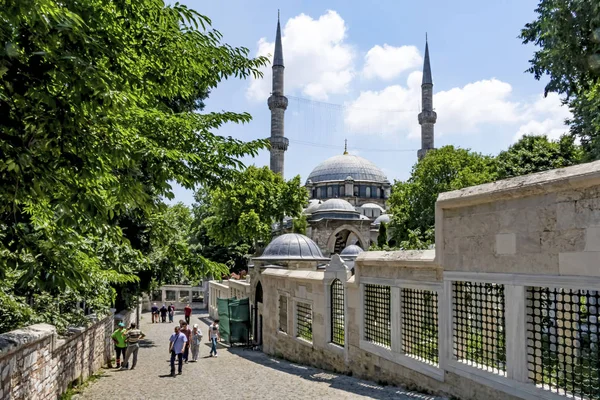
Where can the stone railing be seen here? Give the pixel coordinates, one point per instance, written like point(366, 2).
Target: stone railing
point(36, 364)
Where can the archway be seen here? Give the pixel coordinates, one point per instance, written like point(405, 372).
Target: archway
point(340, 238)
point(258, 305)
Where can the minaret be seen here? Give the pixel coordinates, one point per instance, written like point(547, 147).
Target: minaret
point(277, 104)
point(427, 117)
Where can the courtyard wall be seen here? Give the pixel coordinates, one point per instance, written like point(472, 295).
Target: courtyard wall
point(35, 363)
point(506, 307)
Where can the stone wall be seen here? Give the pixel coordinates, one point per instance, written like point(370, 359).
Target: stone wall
point(497, 247)
point(36, 364)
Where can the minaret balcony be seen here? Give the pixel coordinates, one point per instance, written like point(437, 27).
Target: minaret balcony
point(279, 142)
point(427, 116)
point(277, 101)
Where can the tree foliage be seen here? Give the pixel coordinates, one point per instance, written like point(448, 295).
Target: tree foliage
point(97, 101)
point(535, 154)
point(382, 236)
point(245, 209)
point(412, 203)
point(567, 33)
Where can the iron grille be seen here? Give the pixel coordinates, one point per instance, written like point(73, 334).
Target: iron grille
point(337, 313)
point(377, 315)
point(420, 324)
point(479, 325)
point(563, 349)
point(304, 321)
point(283, 313)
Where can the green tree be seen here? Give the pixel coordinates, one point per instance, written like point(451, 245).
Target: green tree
point(412, 203)
point(382, 239)
point(245, 209)
point(98, 117)
point(535, 154)
point(300, 224)
point(567, 33)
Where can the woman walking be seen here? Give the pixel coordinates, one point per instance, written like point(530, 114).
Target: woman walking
point(213, 332)
point(196, 339)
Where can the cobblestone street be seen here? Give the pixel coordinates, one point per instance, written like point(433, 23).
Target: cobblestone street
point(235, 374)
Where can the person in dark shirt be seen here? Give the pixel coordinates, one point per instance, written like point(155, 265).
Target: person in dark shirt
point(154, 310)
point(171, 312)
point(188, 334)
point(163, 313)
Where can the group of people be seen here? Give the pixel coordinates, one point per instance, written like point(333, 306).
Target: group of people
point(165, 311)
point(127, 343)
point(183, 340)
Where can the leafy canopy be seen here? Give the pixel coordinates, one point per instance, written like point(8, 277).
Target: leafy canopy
point(567, 33)
point(412, 203)
point(98, 102)
point(535, 154)
point(245, 209)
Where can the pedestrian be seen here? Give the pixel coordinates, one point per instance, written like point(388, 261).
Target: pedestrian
point(187, 311)
point(214, 335)
point(171, 310)
point(118, 337)
point(195, 342)
point(163, 313)
point(177, 344)
point(132, 337)
point(188, 334)
point(154, 310)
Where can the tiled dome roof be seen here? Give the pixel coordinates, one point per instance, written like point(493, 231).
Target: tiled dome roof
point(292, 246)
point(336, 205)
point(339, 168)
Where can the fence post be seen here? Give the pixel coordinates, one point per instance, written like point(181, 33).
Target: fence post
point(516, 333)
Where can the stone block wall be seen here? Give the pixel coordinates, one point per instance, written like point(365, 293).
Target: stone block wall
point(36, 364)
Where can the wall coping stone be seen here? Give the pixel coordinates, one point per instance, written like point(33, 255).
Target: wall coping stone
point(295, 274)
point(401, 258)
point(18, 338)
point(577, 176)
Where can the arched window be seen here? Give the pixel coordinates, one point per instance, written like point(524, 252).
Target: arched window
point(368, 191)
point(337, 313)
point(329, 191)
point(342, 191)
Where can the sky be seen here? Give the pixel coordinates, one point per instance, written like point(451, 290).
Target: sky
point(353, 71)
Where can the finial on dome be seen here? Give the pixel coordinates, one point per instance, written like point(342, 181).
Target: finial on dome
point(345, 146)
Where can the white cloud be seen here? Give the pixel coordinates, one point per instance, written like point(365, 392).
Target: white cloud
point(388, 62)
point(318, 61)
point(547, 117)
point(461, 110)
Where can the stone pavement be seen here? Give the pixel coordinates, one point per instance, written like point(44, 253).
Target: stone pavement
point(235, 374)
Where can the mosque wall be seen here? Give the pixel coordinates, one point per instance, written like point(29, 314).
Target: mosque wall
point(510, 294)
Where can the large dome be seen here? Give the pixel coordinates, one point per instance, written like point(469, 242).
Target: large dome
point(292, 246)
point(336, 205)
point(338, 168)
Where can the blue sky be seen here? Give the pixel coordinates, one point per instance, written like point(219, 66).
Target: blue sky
point(353, 71)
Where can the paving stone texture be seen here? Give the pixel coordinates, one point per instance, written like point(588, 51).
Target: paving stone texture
point(235, 374)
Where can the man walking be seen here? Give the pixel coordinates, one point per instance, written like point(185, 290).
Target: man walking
point(163, 313)
point(188, 335)
point(132, 338)
point(177, 343)
point(213, 332)
point(188, 313)
point(154, 313)
point(118, 337)
point(171, 312)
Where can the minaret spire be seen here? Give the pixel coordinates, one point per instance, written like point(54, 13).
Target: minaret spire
point(345, 146)
point(277, 104)
point(427, 117)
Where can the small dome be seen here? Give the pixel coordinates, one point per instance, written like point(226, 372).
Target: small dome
point(385, 218)
point(313, 205)
point(373, 205)
point(292, 246)
point(336, 205)
point(351, 251)
point(337, 168)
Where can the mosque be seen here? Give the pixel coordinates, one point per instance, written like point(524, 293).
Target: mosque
point(348, 194)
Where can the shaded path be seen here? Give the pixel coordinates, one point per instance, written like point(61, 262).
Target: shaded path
point(235, 374)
